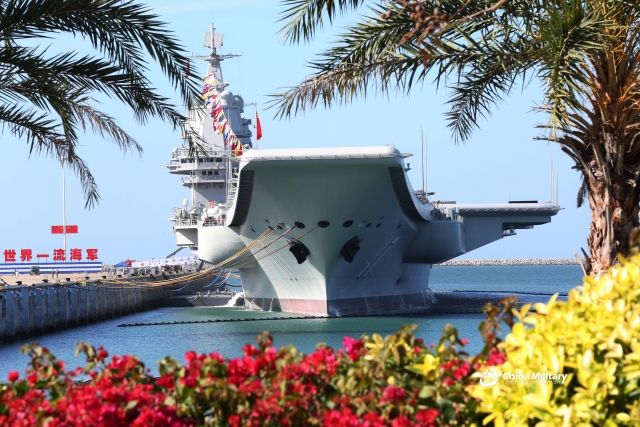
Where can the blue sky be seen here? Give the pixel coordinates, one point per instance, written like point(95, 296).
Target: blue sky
point(501, 159)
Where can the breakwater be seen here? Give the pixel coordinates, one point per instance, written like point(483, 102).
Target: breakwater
point(499, 262)
point(27, 311)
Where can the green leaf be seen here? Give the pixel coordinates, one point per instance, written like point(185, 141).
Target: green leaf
point(130, 405)
point(427, 392)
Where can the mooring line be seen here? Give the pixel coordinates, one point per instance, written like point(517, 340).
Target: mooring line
point(249, 319)
point(255, 319)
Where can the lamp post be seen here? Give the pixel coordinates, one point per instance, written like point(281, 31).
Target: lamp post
point(64, 215)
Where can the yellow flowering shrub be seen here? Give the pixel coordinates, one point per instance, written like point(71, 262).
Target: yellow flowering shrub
point(592, 341)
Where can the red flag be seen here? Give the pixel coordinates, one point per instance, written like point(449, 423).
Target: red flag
point(258, 127)
point(186, 76)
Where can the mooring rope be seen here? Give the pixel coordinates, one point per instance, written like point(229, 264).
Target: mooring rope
point(163, 283)
point(276, 250)
point(252, 254)
point(267, 233)
point(218, 283)
point(237, 260)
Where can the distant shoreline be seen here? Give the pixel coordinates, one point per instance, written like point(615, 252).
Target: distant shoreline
point(507, 262)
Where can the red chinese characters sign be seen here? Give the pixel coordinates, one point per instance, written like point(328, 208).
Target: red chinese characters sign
point(92, 254)
point(59, 255)
point(26, 255)
point(9, 255)
point(75, 254)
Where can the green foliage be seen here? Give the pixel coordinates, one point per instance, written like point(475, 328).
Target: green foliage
point(305, 15)
point(593, 338)
point(49, 99)
point(479, 49)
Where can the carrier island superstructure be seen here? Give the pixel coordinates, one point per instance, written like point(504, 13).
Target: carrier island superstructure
point(322, 231)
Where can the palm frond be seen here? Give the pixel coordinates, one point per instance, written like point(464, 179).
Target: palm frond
point(122, 30)
point(306, 16)
point(38, 129)
point(368, 54)
point(127, 37)
point(344, 84)
point(570, 33)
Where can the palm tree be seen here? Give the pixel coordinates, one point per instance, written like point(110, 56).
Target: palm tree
point(48, 99)
point(584, 53)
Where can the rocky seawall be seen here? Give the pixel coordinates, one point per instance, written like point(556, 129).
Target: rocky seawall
point(500, 262)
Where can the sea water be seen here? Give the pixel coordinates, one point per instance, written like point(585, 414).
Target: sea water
point(151, 343)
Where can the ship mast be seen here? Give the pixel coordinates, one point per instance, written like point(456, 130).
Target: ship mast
point(213, 40)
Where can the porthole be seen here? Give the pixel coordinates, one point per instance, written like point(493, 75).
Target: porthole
point(378, 226)
point(323, 224)
point(251, 227)
point(299, 224)
point(347, 224)
point(368, 225)
point(399, 225)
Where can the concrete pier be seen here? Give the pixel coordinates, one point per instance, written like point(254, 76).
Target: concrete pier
point(33, 310)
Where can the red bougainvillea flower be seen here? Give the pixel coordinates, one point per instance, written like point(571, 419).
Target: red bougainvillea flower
point(32, 378)
point(462, 371)
point(427, 417)
point(235, 420)
point(344, 418)
point(353, 347)
point(373, 419)
point(264, 386)
point(393, 394)
point(402, 421)
point(495, 357)
point(13, 376)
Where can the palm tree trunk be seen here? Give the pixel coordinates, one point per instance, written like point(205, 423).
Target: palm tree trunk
point(614, 202)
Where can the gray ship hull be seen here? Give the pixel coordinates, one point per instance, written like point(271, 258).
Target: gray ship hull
point(362, 193)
